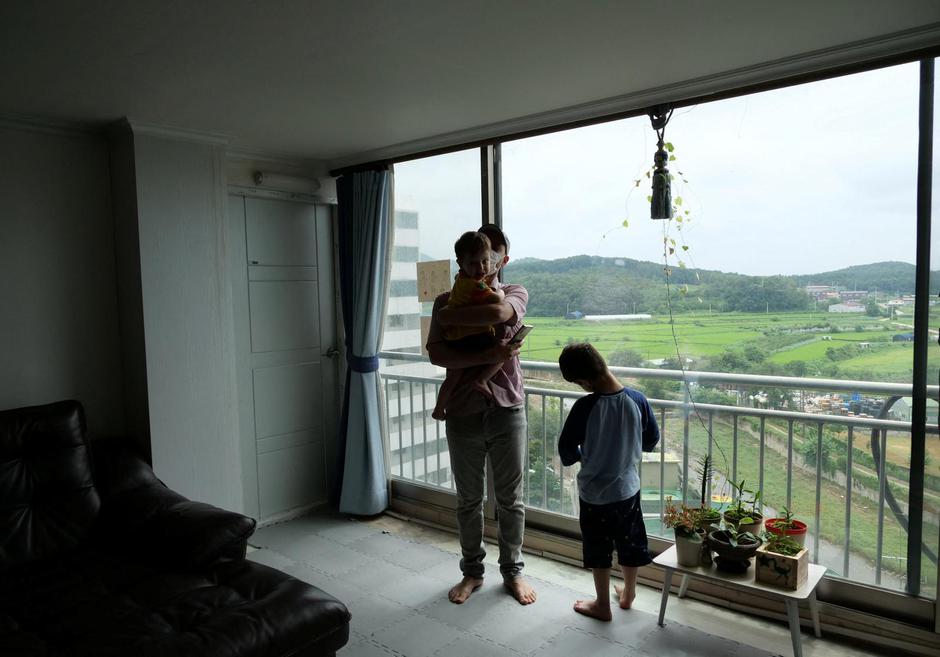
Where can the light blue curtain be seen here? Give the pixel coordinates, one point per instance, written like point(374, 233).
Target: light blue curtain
point(365, 228)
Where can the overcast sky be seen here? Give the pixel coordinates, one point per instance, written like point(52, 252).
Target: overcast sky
point(805, 179)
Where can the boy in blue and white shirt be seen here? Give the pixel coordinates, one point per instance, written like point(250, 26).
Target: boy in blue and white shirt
point(606, 431)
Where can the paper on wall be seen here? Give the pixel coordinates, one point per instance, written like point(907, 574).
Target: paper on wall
point(433, 279)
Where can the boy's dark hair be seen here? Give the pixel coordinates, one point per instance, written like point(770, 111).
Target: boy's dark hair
point(471, 243)
point(581, 362)
point(497, 236)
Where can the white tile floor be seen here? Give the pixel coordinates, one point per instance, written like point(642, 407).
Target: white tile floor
point(394, 576)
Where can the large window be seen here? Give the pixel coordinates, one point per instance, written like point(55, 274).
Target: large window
point(436, 199)
point(771, 321)
point(791, 253)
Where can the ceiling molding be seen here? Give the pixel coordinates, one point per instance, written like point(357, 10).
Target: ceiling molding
point(176, 134)
point(272, 158)
point(817, 61)
point(46, 125)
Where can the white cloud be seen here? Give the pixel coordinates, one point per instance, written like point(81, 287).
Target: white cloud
point(803, 179)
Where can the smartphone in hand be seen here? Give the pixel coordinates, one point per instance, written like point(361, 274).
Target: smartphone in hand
point(521, 333)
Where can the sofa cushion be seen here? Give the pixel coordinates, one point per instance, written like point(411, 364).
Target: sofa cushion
point(85, 605)
point(141, 516)
point(48, 501)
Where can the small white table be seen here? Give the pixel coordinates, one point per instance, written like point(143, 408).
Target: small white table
point(745, 581)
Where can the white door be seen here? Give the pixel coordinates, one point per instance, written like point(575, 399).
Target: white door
point(285, 337)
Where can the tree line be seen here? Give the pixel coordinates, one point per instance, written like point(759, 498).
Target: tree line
point(595, 285)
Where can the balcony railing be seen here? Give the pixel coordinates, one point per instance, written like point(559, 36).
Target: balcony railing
point(833, 470)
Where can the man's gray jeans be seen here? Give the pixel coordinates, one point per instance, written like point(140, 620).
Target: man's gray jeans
point(499, 433)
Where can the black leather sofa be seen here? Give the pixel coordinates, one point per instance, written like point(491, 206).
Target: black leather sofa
point(99, 558)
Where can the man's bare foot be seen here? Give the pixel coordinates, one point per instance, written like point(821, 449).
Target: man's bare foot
point(462, 590)
point(521, 590)
point(439, 414)
point(483, 387)
point(625, 602)
point(593, 609)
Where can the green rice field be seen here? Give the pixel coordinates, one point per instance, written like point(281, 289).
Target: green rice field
point(784, 337)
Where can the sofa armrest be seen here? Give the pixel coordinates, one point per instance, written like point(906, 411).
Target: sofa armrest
point(141, 515)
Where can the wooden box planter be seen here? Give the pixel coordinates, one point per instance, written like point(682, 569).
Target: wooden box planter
point(779, 570)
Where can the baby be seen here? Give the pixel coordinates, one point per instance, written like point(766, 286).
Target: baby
point(475, 259)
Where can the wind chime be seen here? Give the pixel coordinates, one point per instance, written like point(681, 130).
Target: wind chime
point(661, 201)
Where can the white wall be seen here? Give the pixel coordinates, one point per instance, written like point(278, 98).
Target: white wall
point(187, 318)
point(59, 334)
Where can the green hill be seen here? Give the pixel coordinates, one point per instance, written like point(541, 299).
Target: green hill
point(885, 277)
point(597, 285)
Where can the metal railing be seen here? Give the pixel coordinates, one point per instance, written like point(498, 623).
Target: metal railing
point(815, 452)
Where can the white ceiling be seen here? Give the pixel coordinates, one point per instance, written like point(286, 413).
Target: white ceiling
point(342, 82)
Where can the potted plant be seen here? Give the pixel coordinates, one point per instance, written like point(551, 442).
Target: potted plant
point(781, 561)
point(709, 518)
point(684, 521)
point(734, 548)
point(744, 514)
point(787, 525)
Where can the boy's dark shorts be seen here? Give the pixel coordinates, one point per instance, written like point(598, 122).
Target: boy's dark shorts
point(618, 524)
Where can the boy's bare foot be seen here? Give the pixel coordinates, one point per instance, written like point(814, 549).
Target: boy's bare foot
point(521, 590)
point(593, 609)
point(483, 387)
point(625, 602)
point(439, 414)
point(462, 590)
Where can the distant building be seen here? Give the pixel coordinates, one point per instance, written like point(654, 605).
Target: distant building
point(901, 410)
point(902, 337)
point(416, 450)
point(608, 318)
point(574, 314)
point(850, 307)
point(403, 313)
point(853, 295)
point(819, 292)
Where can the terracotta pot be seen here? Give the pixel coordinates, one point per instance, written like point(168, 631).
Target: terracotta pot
point(797, 532)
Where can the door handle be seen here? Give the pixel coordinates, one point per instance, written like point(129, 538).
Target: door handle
point(332, 352)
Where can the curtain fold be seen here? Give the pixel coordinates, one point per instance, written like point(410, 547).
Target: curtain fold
point(365, 228)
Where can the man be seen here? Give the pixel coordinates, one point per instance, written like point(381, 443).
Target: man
point(480, 427)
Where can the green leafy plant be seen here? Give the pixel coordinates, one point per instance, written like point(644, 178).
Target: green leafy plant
point(785, 520)
point(681, 518)
point(737, 538)
point(705, 471)
point(781, 544)
point(744, 509)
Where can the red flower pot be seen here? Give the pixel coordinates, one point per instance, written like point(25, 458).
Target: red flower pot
point(797, 532)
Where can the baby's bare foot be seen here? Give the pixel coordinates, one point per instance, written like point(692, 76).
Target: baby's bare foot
point(593, 609)
point(626, 597)
point(463, 589)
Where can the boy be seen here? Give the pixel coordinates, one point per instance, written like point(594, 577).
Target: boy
point(606, 431)
point(474, 257)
